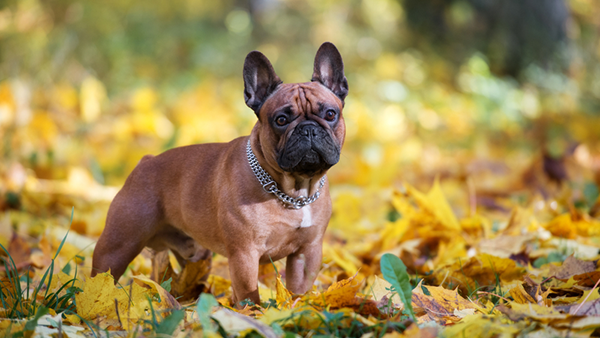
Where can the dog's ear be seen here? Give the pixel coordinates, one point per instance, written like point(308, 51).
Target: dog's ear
point(260, 80)
point(329, 70)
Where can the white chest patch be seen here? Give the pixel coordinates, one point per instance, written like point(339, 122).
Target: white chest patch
point(306, 217)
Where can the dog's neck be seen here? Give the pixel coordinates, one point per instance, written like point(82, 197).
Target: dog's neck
point(293, 185)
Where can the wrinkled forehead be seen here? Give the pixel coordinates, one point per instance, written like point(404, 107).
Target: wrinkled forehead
point(303, 97)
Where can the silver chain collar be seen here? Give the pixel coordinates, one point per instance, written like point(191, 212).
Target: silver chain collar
point(270, 186)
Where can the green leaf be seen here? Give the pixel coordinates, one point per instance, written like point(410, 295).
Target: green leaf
point(206, 303)
point(169, 324)
point(31, 324)
point(167, 284)
point(394, 271)
point(66, 269)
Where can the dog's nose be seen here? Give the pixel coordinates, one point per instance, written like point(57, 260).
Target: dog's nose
point(308, 129)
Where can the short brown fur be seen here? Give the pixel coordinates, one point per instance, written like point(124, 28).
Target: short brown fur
point(206, 196)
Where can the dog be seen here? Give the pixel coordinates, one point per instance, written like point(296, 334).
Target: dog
point(254, 200)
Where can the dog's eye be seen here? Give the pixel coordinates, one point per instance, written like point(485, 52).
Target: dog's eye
point(281, 120)
point(330, 115)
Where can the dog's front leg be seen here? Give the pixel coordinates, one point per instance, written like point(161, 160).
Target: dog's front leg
point(302, 267)
point(243, 268)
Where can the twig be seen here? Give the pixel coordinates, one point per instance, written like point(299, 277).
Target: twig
point(117, 311)
point(492, 294)
point(586, 297)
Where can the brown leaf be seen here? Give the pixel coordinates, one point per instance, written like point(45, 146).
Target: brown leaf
point(19, 251)
point(367, 307)
point(518, 312)
point(588, 278)
point(481, 270)
point(504, 246)
point(189, 283)
point(587, 309)
point(573, 266)
point(441, 304)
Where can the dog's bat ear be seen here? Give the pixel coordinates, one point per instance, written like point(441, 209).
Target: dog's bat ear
point(260, 80)
point(329, 70)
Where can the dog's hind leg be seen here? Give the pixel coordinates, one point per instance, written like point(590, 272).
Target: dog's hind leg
point(131, 222)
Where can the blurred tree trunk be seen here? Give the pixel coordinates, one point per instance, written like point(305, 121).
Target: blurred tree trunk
point(511, 33)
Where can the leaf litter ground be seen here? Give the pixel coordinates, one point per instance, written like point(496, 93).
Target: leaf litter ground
point(532, 273)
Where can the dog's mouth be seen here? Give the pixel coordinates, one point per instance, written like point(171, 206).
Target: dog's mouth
point(311, 164)
point(309, 151)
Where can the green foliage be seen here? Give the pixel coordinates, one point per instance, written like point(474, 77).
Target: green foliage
point(167, 284)
point(25, 305)
point(394, 271)
point(32, 323)
point(205, 306)
point(168, 325)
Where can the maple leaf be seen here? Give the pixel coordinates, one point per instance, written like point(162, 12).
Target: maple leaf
point(283, 295)
point(435, 203)
point(101, 298)
point(441, 305)
point(339, 294)
point(481, 270)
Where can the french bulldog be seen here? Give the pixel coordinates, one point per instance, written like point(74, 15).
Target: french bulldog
point(254, 200)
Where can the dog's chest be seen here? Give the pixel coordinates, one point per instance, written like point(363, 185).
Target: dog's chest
point(290, 232)
point(306, 217)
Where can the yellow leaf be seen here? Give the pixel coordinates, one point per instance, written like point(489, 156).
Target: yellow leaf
point(593, 295)
point(272, 315)
point(60, 279)
point(219, 285)
point(483, 326)
point(518, 312)
point(480, 270)
point(340, 294)
point(562, 226)
point(341, 257)
point(100, 294)
point(381, 288)
point(435, 203)
point(92, 95)
point(166, 300)
point(393, 233)
point(283, 295)
point(234, 322)
point(144, 99)
point(521, 296)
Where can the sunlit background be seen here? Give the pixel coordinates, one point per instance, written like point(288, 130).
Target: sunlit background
point(500, 99)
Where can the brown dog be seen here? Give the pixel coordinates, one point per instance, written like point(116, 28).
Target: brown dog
point(255, 199)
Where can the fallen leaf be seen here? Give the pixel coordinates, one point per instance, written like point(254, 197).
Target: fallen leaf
point(239, 324)
point(435, 203)
point(521, 296)
point(381, 288)
point(483, 326)
point(190, 282)
point(339, 294)
point(480, 270)
point(504, 246)
point(166, 300)
point(573, 266)
point(518, 312)
point(283, 295)
point(441, 303)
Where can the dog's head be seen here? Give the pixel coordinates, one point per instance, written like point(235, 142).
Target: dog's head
point(301, 126)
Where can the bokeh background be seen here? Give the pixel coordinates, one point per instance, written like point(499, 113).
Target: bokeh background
point(498, 98)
